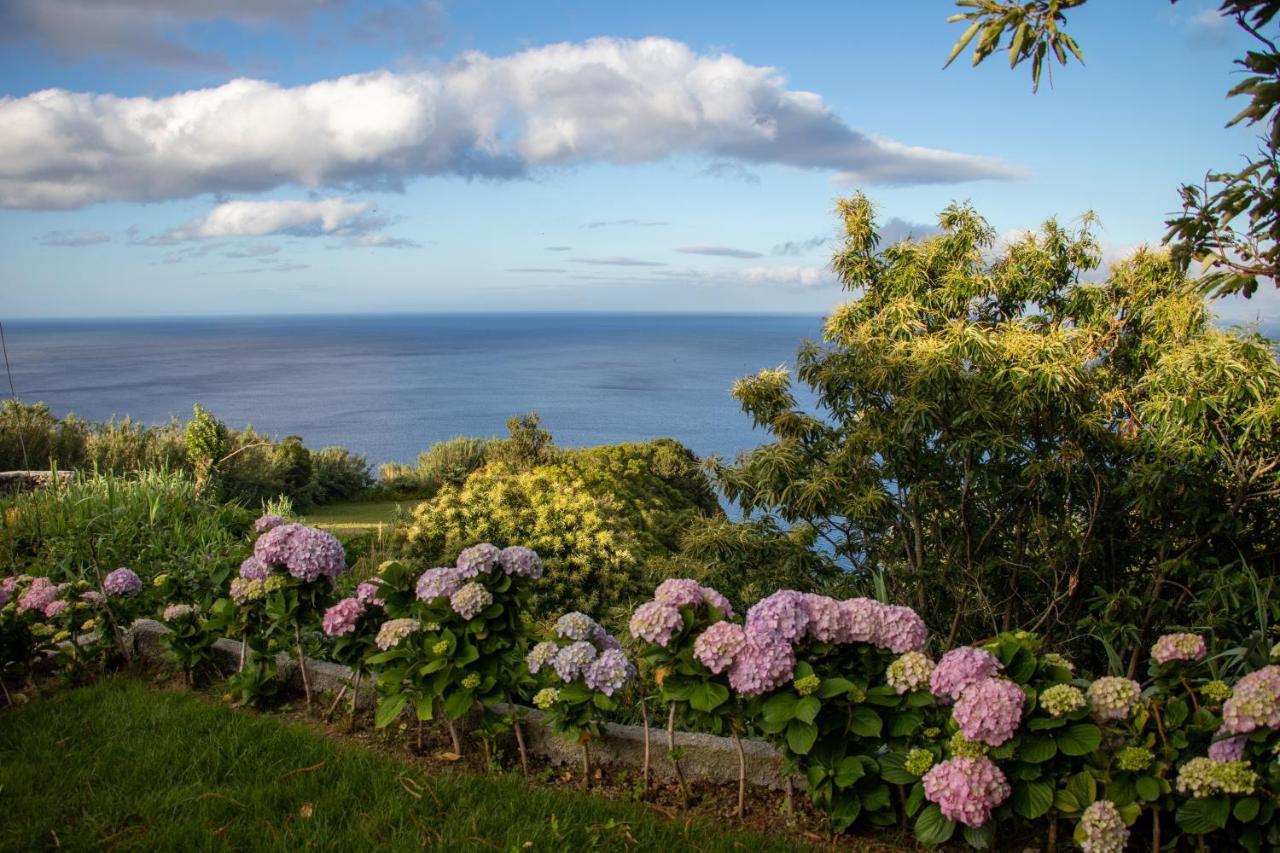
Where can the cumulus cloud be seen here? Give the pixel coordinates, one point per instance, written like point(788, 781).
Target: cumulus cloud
point(298, 218)
point(64, 238)
point(618, 262)
point(719, 251)
point(141, 30)
point(604, 100)
point(796, 276)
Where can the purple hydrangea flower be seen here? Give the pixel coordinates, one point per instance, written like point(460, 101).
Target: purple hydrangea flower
point(717, 646)
point(267, 522)
point(902, 630)
point(763, 663)
point(656, 622)
point(576, 626)
point(967, 789)
point(367, 593)
point(610, 672)
point(274, 547)
point(252, 569)
point(572, 660)
point(679, 592)
point(470, 599)
point(438, 583)
point(989, 712)
point(122, 582)
point(961, 667)
point(783, 615)
point(1228, 749)
point(478, 559)
point(93, 598)
point(341, 618)
point(521, 561)
point(315, 554)
point(604, 641)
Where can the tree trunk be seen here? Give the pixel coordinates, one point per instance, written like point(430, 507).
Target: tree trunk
point(671, 750)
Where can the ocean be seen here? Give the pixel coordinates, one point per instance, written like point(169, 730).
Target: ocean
point(390, 386)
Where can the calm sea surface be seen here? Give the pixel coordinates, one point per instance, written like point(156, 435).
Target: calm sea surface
point(389, 387)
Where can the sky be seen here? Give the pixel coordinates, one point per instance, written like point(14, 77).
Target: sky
point(235, 157)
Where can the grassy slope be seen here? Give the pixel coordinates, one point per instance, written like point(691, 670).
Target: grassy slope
point(120, 764)
point(355, 515)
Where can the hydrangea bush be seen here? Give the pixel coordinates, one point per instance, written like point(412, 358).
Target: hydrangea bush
point(457, 636)
point(190, 638)
point(580, 670)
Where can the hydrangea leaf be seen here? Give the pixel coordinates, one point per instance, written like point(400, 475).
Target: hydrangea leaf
point(932, 828)
point(1201, 816)
point(1079, 739)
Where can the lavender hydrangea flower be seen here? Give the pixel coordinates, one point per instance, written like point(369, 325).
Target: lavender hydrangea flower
point(861, 620)
point(572, 660)
point(341, 618)
point(1254, 702)
point(477, 560)
point(656, 622)
point(314, 554)
point(576, 626)
point(609, 673)
point(961, 667)
point(901, 630)
point(782, 615)
point(604, 641)
point(438, 583)
point(253, 569)
point(763, 663)
point(989, 712)
point(967, 789)
point(267, 522)
point(521, 561)
point(393, 631)
point(541, 655)
point(679, 592)
point(470, 599)
point(827, 622)
point(367, 593)
point(93, 598)
point(1112, 698)
point(1179, 647)
point(718, 601)
point(274, 547)
point(122, 583)
point(1228, 749)
point(717, 646)
point(1103, 828)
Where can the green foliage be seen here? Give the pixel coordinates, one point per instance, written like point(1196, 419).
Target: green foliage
point(596, 516)
point(1048, 451)
point(337, 474)
point(1033, 28)
point(207, 441)
point(449, 461)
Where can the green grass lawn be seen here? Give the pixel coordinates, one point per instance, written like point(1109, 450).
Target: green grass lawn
point(122, 764)
point(357, 515)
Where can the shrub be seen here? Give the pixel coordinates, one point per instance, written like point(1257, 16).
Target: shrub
point(449, 461)
point(337, 474)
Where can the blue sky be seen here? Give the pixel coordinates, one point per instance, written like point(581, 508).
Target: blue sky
point(557, 156)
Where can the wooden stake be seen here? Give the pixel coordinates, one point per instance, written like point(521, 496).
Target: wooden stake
point(742, 776)
point(671, 749)
point(302, 664)
point(524, 755)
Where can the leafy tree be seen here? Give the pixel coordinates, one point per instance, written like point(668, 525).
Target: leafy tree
point(1230, 222)
point(207, 441)
point(1010, 446)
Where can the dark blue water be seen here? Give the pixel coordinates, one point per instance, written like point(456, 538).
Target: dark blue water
point(389, 387)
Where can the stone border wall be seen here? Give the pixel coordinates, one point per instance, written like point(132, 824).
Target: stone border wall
point(704, 757)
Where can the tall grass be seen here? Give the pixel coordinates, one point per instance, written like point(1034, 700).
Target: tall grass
point(151, 521)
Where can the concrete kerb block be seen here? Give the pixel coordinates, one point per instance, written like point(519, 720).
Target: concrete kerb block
point(704, 757)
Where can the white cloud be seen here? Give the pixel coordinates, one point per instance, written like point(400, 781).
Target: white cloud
point(796, 276)
point(719, 251)
point(329, 216)
point(610, 100)
point(67, 239)
point(617, 262)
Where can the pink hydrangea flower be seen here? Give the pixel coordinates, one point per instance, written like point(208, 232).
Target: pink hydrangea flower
point(122, 582)
point(783, 615)
point(1179, 647)
point(38, 596)
point(679, 592)
point(861, 620)
point(717, 646)
point(1103, 828)
point(1254, 702)
point(763, 663)
point(989, 712)
point(1113, 697)
point(967, 789)
point(341, 618)
point(718, 601)
point(470, 599)
point(393, 631)
point(827, 623)
point(53, 608)
point(961, 667)
point(901, 630)
point(909, 672)
point(267, 522)
point(367, 593)
point(656, 622)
